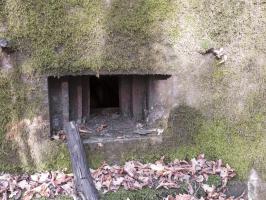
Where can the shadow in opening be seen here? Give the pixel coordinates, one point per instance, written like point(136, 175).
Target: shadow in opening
point(104, 92)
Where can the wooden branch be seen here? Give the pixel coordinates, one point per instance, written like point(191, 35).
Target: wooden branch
point(82, 177)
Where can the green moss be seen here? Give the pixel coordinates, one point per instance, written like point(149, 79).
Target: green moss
point(183, 152)
point(53, 33)
point(184, 123)
point(59, 159)
point(153, 155)
point(56, 198)
point(137, 19)
point(144, 194)
point(67, 36)
point(9, 160)
point(206, 44)
point(74, 35)
point(174, 32)
point(95, 159)
point(133, 26)
point(219, 140)
point(220, 19)
point(237, 142)
point(15, 152)
point(5, 99)
point(214, 180)
point(8, 157)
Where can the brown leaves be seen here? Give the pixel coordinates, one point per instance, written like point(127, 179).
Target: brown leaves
point(135, 175)
point(132, 176)
point(48, 184)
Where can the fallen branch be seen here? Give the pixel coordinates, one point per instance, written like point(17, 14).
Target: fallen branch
point(82, 177)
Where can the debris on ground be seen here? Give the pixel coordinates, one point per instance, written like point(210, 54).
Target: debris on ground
point(60, 135)
point(84, 130)
point(101, 127)
point(191, 175)
point(194, 175)
point(25, 187)
point(145, 131)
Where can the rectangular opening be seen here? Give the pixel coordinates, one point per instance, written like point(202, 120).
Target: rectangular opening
point(121, 101)
point(55, 105)
point(104, 93)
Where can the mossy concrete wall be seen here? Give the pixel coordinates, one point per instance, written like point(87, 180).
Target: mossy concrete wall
point(142, 36)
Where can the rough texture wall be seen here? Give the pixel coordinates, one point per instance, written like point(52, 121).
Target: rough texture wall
point(73, 35)
point(231, 96)
point(150, 36)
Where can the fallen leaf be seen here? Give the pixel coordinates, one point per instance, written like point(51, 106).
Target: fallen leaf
point(101, 127)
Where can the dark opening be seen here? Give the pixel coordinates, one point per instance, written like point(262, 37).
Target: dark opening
point(109, 97)
point(55, 104)
point(104, 92)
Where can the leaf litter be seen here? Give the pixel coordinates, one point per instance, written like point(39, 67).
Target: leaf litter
point(192, 176)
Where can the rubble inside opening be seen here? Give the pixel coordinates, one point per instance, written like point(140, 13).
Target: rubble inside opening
point(109, 106)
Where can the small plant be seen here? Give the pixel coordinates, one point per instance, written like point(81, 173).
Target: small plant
point(214, 180)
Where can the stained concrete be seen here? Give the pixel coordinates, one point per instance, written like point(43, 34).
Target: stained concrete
point(233, 91)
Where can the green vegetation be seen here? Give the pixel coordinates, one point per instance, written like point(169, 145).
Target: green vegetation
point(9, 160)
point(5, 98)
point(240, 144)
point(60, 159)
point(57, 198)
point(221, 20)
point(144, 194)
point(67, 36)
point(214, 180)
point(219, 139)
point(95, 159)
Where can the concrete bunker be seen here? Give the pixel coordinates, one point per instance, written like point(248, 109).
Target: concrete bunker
point(118, 102)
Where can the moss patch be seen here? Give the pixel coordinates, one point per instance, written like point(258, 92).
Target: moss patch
point(8, 156)
point(220, 19)
point(144, 194)
point(59, 160)
point(214, 180)
point(238, 143)
point(219, 139)
point(57, 198)
point(68, 36)
point(184, 123)
point(71, 36)
point(20, 103)
point(95, 159)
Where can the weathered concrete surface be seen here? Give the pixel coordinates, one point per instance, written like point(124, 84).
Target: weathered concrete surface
point(117, 150)
point(146, 36)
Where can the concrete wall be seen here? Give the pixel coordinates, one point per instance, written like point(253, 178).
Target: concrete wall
point(148, 36)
